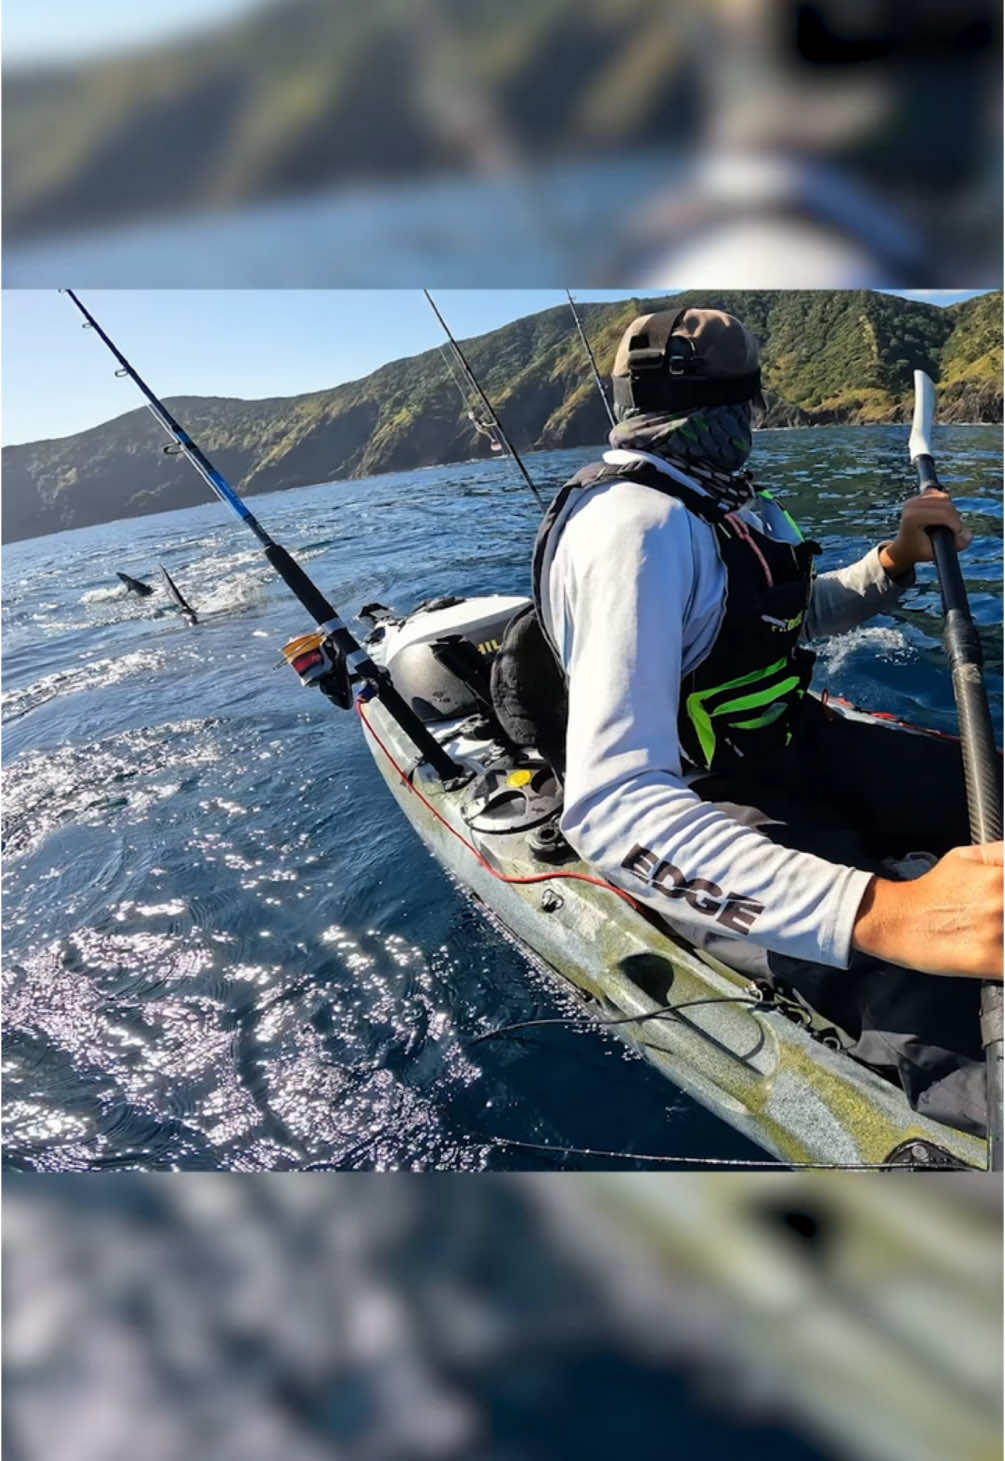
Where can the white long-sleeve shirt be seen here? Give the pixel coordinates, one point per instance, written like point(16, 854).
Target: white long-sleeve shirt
point(633, 594)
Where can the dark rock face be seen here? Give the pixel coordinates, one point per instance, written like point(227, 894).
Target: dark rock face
point(784, 413)
point(965, 402)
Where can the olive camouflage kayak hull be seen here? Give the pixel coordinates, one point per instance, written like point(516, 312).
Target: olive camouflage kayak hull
point(774, 1074)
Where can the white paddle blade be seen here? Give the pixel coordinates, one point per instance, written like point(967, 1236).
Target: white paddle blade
point(924, 416)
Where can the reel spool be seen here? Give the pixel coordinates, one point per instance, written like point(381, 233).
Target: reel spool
point(320, 666)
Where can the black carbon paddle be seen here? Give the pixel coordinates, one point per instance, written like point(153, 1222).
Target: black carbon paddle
point(980, 756)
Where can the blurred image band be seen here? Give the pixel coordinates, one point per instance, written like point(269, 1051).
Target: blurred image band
point(390, 1317)
point(758, 143)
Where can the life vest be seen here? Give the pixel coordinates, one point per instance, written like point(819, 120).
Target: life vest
point(742, 703)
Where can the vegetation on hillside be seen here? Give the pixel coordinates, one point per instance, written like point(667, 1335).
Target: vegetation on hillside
point(829, 356)
point(304, 94)
point(971, 361)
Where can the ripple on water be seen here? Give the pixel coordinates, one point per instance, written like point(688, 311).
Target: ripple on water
point(88, 784)
point(166, 1033)
point(98, 675)
point(889, 644)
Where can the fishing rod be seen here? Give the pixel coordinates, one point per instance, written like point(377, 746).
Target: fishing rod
point(980, 756)
point(475, 386)
point(592, 358)
point(464, 379)
point(483, 428)
point(347, 656)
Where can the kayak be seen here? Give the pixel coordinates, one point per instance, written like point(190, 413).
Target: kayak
point(769, 1067)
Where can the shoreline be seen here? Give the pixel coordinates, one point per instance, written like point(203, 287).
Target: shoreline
point(464, 461)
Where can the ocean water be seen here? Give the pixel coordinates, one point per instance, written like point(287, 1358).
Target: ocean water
point(223, 946)
point(517, 228)
point(451, 231)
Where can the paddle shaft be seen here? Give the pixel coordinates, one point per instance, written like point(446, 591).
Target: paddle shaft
point(980, 770)
point(966, 663)
point(300, 584)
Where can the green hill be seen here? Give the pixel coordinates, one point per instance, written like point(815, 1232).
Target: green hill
point(306, 94)
point(829, 356)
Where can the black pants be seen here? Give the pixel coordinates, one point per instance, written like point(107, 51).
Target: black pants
point(860, 793)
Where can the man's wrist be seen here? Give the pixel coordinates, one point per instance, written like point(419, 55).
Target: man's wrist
point(891, 564)
point(875, 923)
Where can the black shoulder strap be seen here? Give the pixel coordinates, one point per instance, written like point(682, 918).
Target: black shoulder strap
point(599, 472)
point(647, 475)
point(586, 477)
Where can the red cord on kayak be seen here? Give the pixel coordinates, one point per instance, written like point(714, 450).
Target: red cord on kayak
point(502, 877)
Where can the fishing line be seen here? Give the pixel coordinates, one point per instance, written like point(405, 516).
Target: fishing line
point(765, 1164)
point(406, 778)
point(662, 1012)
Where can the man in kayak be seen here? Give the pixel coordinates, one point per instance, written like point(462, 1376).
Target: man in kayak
point(701, 778)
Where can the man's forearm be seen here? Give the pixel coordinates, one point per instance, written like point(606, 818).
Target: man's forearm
point(846, 597)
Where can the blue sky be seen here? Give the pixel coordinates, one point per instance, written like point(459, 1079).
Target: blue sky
point(58, 29)
point(58, 378)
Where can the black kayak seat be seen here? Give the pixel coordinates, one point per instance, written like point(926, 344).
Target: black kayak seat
point(529, 694)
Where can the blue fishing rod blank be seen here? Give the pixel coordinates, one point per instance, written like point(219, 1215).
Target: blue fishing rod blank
point(324, 614)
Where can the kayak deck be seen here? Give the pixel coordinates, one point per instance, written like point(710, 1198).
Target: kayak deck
point(749, 1063)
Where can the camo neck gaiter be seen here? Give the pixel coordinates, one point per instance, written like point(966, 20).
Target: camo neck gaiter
point(711, 444)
